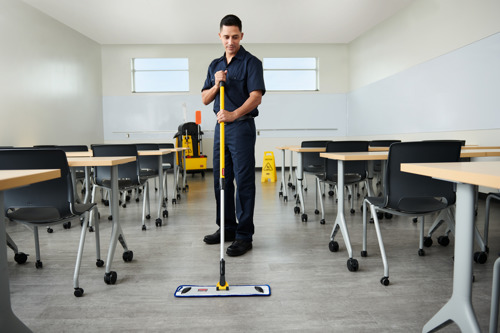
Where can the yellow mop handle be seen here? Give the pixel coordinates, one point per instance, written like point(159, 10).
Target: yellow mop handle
point(222, 143)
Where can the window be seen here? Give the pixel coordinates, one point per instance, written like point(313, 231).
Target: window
point(291, 74)
point(160, 74)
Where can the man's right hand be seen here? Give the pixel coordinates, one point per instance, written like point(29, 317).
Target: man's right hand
point(220, 76)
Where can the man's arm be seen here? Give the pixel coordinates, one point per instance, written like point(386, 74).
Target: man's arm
point(250, 104)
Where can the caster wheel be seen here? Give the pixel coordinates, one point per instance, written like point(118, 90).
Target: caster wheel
point(106, 203)
point(280, 194)
point(330, 193)
point(91, 229)
point(165, 213)
point(316, 211)
point(285, 198)
point(127, 198)
point(20, 257)
point(174, 201)
point(322, 221)
point(143, 227)
point(39, 264)
point(99, 263)
point(480, 257)
point(380, 215)
point(178, 197)
point(486, 249)
point(304, 218)
point(371, 220)
point(78, 292)
point(67, 225)
point(364, 254)
point(158, 222)
point(110, 218)
point(124, 205)
point(293, 187)
point(421, 252)
point(296, 210)
point(128, 256)
point(50, 230)
point(333, 246)
point(164, 204)
point(352, 265)
point(187, 187)
point(110, 278)
point(388, 216)
point(148, 217)
point(385, 281)
point(443, 240)
point(136, 199)
point(428, 241)
point(415, 220)
point(352, 211)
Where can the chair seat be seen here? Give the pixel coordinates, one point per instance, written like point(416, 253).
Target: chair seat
point(412, 206)
point(123, 183)
point(349, 178)
point(314, 168)
point(148, 173)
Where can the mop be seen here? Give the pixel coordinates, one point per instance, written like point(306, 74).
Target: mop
point(222, 289)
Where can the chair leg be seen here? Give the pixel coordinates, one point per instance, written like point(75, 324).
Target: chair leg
point(421, 251)
point(487, 218)
point(495, 295)
point(144, 199)
point(364, 252)
point(318, 194)
point(385, 278)
point(76, 284)
point(38, 263)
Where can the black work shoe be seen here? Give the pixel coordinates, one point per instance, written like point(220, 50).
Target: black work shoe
point(238, 248)
point(215, 237)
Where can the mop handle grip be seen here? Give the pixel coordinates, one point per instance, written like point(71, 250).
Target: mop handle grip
point(222, 139)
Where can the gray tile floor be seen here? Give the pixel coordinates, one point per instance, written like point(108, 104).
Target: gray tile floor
point(312, 290)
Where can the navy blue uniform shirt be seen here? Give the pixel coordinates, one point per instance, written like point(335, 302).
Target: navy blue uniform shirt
point(244, 75)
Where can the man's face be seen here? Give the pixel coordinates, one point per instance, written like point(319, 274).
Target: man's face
point(231, 37)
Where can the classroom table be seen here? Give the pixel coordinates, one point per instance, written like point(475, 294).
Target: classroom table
point(116, 233)
point(10, 179)
point(466, 175)
point(340, 222)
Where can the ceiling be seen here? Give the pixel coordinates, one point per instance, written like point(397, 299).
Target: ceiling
point(197, 21)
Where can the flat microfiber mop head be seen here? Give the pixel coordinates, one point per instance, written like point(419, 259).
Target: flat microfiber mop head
point(211, 291)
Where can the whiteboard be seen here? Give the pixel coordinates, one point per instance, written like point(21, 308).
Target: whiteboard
point(454, 92)
point(157, 117)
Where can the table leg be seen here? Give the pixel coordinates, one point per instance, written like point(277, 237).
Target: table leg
point(116, 232)
point(283, 184)
point(8, 320)
point(340, 223)
point(459, 308)
point(300, 197)
point(161, 199)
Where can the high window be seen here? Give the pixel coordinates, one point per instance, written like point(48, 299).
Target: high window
point(291, 74)
point(160, 75)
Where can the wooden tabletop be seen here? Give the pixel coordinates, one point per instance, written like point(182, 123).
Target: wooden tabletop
point(15, 178)
point(382, 155)
point(155, 152)
point(307, 150)
point(99, 160)
point(87, 153)
point(475, 173)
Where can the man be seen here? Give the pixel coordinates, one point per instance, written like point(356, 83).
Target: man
point(244, 88)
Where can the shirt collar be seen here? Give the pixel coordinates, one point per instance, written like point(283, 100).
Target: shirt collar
point(239, 55)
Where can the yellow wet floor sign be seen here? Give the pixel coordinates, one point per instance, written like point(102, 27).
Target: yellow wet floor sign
point(268, 168)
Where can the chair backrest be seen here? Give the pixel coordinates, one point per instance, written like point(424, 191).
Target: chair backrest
point(399, 186)
point(312, 162)
point(382, 143)
point(56, 193)
point(169, 158)
point(125, 171)
point(148, 162)
point(350, 167)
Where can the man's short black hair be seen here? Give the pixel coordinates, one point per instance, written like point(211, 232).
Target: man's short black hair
point(230, 20)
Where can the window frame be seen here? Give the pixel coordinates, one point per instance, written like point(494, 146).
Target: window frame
point(291, 69)
point(134, 71)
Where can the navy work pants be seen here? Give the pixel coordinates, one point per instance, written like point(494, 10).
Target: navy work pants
point(240, 139)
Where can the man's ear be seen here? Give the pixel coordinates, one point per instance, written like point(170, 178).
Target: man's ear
point(242, 35)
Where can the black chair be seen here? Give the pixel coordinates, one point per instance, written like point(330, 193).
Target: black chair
point(311, 162)
point(46, 203)
point(408, 194)
point(129, 174)
point(355, 172)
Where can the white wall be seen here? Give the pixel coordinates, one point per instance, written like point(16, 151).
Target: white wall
point(50, 79)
